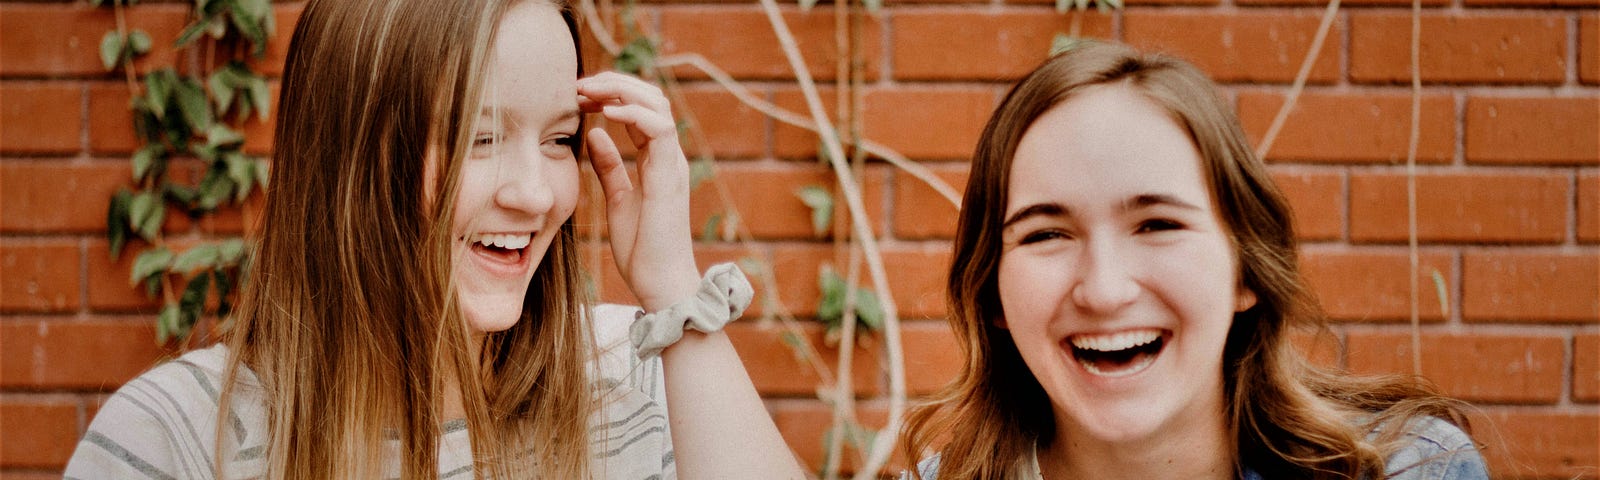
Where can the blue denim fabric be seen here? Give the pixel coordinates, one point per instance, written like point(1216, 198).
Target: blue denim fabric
point(1438, 451)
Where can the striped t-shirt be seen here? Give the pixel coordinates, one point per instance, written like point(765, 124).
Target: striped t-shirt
point(162, 425)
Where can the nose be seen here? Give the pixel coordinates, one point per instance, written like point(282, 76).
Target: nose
point(1103, 284)
point(524, 185)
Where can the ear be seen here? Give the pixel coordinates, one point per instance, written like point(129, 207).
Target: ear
point(1244, 298)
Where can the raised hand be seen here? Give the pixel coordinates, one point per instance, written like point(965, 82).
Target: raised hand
point(649, 224)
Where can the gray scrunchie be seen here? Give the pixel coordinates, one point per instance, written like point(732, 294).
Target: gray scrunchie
point(724, 294)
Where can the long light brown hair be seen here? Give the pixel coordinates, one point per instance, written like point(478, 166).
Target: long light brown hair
point(349, 318)
point(1290, 419)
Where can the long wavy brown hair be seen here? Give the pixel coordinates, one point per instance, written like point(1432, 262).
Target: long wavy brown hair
point(349, 319)
point(1290, 419)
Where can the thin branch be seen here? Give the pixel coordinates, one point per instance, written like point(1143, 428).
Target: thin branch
point(1299, 80)
point(882, 445)
point(1411, 186)
point(790, 118)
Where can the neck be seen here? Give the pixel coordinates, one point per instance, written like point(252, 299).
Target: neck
point(1200, 449)
point(453, 407)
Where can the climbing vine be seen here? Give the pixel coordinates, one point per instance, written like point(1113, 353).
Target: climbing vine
point(189, 115)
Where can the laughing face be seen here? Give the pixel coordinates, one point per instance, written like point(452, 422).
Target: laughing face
point(520, 180)
point(1117, 278)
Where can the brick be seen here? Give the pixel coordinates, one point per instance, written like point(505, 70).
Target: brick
point(1351, 127)
point(1323, 349)
point(766, 200)
point(920, 212)
point(1533, 130)
point(1372, 286)
point(1537, 443)
point(1589, 48)
point(59, 196)
point(932, 353)
point(917, 277)
point(1317, 201)
point(794, 142)
point(948, 120)
point(107, 283)
point(1242, 46)
point(64, 39)
point(1475, 367)
point(111, 122)
point(37, 432)
point(40, 275)
point(40, 117)
point(1531, 3)
point(95, 354)
point(28, 475)
point(1586, 368)
point(1459, 48)
point(805, 426)
point(1589, 207)
point(942, 43)
point(778, 369)
point(705, 29)
point(1461, 207)
point(796, 267)
point(1500, 285)
point(729, 127)
point(1350, 3)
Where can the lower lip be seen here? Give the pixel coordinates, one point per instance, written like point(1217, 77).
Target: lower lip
point(1120, 376)
point(499, 266)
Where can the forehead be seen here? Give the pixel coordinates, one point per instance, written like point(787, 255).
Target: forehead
point(533, 62)
point(1102, 146)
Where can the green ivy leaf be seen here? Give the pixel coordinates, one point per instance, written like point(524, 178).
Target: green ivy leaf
point(220, 136)
point(145, 214)
point(230, 251)
point(830, 308)
point(111, 50)
point(214, 188)
point(139, 42)
point(805, 5)
point(117, 221)
point(183, 194)
point(240, 169)
point(196, 258)
point(166, 323)
point(146, 157)
point(821, 203)
point(262, 168)
point(260, 97)
point(193, 303)
point(224, 285)
point(699, 171)
point(190, 33)
point(636, 56)
point(222, 84)
point(158, 90)
point(253, 19)
point(149, 263)
point(193, 104)
point(708, 230)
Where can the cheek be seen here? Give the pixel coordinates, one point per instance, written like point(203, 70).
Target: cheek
point(1026, 287)
point(564, 184)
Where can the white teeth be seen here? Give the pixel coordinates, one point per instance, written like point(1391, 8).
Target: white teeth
point(512, 241)
point(1116, 341)
point(1130, 370)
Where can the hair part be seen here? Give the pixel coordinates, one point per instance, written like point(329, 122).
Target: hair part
point(1290, 419)
point(349, 317)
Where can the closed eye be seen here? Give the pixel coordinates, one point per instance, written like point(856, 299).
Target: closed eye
point(569, 141)
point(484, 139)
point(1158, 225)
point(1043, 236)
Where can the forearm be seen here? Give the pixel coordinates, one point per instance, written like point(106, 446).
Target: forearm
point(720, 429)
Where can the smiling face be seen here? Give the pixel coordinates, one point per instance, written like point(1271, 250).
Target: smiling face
point(519, 182)
point(1117, 279)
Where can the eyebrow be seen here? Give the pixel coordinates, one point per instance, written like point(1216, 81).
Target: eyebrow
point(488, 111)
point(1137, 202)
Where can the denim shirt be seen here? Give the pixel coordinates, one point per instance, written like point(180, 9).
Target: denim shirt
point(1438, 451)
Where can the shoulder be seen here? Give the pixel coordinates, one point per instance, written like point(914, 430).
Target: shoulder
point(927, 469)
point(163, 421)
point(630, 435)
point(1434, 449)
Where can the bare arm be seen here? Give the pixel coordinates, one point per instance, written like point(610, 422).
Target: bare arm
point(720, 428)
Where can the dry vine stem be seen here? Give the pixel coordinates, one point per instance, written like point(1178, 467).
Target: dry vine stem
point(881, 447)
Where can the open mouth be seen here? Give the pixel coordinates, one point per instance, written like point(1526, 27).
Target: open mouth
point(507, 248)
point(1117, 354)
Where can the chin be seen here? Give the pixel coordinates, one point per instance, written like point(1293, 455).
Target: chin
point(491, 316)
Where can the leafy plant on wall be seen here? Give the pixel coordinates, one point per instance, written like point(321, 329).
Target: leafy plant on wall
point(189, 118)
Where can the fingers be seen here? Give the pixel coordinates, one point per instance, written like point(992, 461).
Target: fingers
point(607, 163)
point(609, 88)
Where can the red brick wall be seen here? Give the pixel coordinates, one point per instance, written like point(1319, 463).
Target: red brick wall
point(1509, 192)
